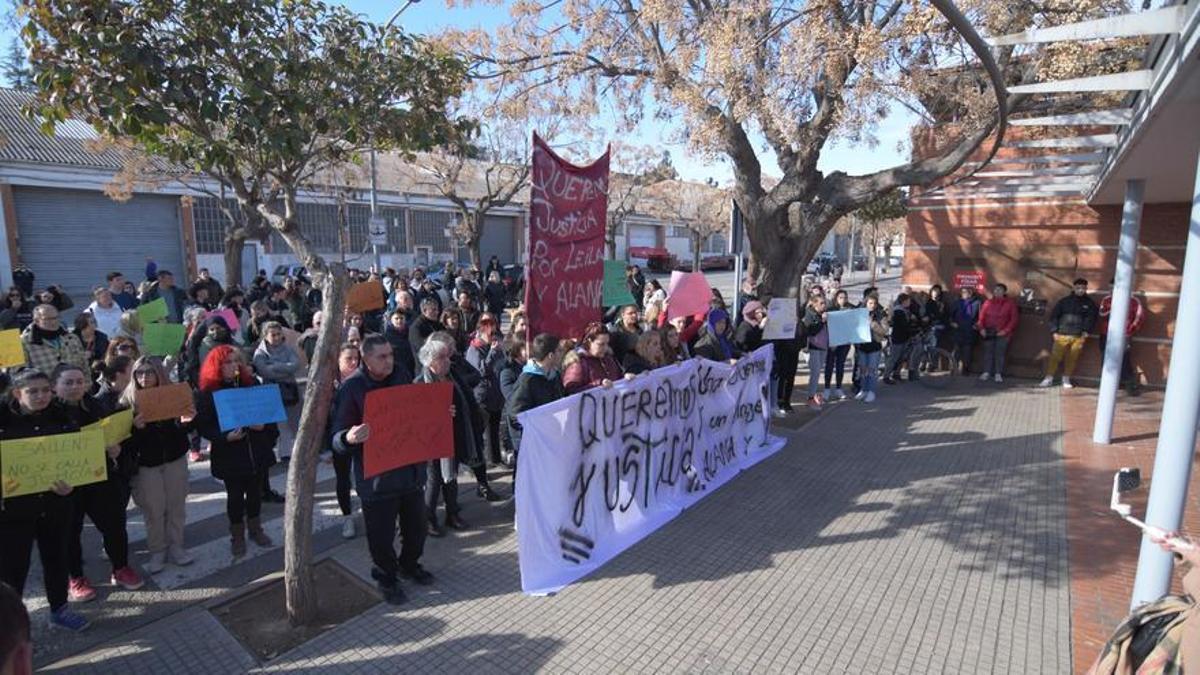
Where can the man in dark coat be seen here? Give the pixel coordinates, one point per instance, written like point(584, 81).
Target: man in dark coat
point(1071, 321)
point(391, 495)
point(538, 385)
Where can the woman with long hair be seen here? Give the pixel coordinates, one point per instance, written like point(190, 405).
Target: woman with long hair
point(240, 457)
point(94, 342)
point(349, 359)
point(161, 485)
point(595, 366)
point(647, 355)
point(454, 324)
point(122, 346)
point(486, 354)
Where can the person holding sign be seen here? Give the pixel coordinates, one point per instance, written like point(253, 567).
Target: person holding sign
point(867, 354)
point(835, 364)
point(395, 495)
point(594, 365)
point(103, 502)
point(276, 362)
point(240, 457)
point(161, 485)
point(42, 517)
point(816, 327)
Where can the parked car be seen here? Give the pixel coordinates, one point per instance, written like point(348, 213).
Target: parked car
point(284, 271)
point(707, 263)
point(861, 263)
point(657, 259)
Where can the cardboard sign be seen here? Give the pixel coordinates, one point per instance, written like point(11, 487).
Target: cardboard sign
point(616, 291)
point(249, 406)
point(116, 427)
point(228, 315)
point(31, 465)
point(365, 297)
point(976, 279)
point(849, 327)
point(12, 353)
point(410, 424)
point(689, 294)
point(568, 209)
point(781, 319)
point(163, 339)
point(165, 402)
point(152, 312)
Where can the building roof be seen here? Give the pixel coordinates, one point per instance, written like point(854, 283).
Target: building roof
point(74, 142)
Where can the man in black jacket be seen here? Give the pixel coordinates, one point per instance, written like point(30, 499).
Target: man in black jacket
point(398, 493)
point(427, 324)
point(538, 385)
point(1072, 320)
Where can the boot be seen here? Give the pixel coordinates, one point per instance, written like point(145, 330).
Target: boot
point(237, 539)
point(257, 535)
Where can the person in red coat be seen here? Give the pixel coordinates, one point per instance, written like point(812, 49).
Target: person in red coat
point(596, 365)
point(996, 323)
point(1133, 323)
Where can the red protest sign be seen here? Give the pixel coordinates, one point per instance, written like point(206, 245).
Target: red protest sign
point(976, 279)
point(568, 207)
point(410, 424)
point(690, 294)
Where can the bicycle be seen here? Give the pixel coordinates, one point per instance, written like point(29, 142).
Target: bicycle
point(933, 364)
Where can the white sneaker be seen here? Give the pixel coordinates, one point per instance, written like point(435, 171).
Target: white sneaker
point(998, 378)
point(179, 555)
point(348, 530)
point(1049, 380)
point(839, 394)
point(1067, 383)
point(779, 413)
point(869, 398)
point(860, 396)
point(985, 377)
point(157, 562)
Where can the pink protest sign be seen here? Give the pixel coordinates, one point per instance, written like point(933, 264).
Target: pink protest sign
point(230, 317)
point(689, 294)
point(568, 208)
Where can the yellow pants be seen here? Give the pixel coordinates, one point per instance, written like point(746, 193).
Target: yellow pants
point(1072, 346)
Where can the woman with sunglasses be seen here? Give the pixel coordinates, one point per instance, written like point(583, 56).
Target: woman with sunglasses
point(122, 346)
point(161, 486)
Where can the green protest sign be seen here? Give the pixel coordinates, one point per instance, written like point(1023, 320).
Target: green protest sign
point(616, 292)
point(152, 311)
point(163, 339)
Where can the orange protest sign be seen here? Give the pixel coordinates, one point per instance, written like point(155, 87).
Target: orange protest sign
point(165, 403)
point(410, 424)
point(365, 297)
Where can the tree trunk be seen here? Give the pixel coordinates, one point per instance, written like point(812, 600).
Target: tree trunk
point(473, 239)
point(235, 241)
point(610, 240)
point(781, 254)
point(887, 255)
point(300, 594)
point(871, 255)
point(696, 252)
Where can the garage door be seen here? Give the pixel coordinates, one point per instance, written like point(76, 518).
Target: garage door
point(643, 235)
point(74, 237)
point(498, 239)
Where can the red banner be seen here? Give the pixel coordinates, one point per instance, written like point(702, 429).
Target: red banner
point(410, 424)
point(568, 208)
point(976, 279)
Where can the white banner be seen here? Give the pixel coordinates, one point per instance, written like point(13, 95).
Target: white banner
point(600, 470)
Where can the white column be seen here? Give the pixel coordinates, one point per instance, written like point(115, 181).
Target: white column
point(1177, 429)
point(1110, 378)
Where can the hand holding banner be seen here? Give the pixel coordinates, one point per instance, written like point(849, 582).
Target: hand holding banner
point(423, 432)
point(31, 465)
point(849, 326)
point(11, 351)
point(365, 297)
point(152, 312)
point(689, 294)
point(163, 339)
point(249, 406)
point(165, 402)
point(616, 291)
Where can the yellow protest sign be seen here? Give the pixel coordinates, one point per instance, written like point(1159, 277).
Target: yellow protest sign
point(30, 465)
point(117, 427)
point(11, 351)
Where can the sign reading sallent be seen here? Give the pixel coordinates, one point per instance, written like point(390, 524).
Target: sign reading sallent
point(602, 469)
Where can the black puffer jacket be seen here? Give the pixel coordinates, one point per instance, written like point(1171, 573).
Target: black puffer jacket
point(158, 443)
point(13, 424)
point(1074, 315)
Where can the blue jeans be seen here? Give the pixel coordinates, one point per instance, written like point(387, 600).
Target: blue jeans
point(868, 364)
point(816, 368)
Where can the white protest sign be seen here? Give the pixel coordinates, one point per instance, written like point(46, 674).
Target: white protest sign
point(604, 468)
point(781, 319)
point(849, 326)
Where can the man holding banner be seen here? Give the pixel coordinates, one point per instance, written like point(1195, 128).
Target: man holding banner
point(398, 494)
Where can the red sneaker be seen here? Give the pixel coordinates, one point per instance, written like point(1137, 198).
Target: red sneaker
point(127, 578)
point(79, 589)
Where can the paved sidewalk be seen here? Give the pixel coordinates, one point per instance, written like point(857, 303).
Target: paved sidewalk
point(923, 534)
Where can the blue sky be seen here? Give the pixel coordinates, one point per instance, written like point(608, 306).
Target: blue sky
point(431, 16)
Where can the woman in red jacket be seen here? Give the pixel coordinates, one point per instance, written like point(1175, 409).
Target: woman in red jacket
point(596, 365)
point(996, 323)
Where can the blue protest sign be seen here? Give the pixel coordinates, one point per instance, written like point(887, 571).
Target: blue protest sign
point(248, 406)
point(849, 326)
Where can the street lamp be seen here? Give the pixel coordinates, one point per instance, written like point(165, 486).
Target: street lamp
point(375, 220)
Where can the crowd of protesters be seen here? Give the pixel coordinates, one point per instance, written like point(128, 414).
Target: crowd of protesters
point(460, 327)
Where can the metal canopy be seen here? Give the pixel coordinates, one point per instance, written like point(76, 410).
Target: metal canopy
point(1157, 22)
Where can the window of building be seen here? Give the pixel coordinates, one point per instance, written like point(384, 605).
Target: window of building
point(680, 231)
point(429, 229)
